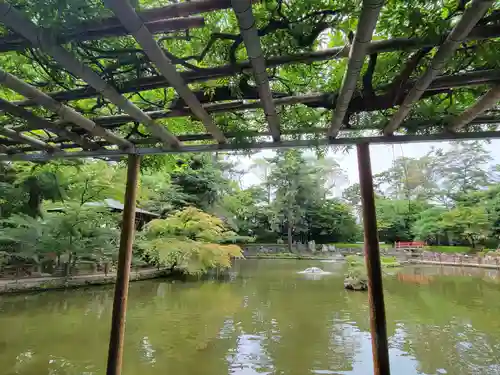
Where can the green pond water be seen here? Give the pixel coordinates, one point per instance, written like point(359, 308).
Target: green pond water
point(266, 319)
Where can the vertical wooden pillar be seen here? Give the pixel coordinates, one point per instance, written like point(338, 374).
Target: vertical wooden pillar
point(372, 257)
point(115, 352)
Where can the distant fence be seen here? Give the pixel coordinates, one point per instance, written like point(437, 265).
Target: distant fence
point(410, 245)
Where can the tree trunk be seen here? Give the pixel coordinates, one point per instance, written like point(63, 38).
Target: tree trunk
point(67, 266)
point(289, 237)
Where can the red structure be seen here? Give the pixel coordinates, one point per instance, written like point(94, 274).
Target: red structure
point(410, 245)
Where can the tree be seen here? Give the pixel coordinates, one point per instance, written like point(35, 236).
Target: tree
point(429, 226)
point(94, 181)
point(332, 221)
point(395, 218)
point(469, 223)
point(190, 241)
point(78, 232)
point(461, 169)
point(409, 178)
point(295, 185)
point(27, 185)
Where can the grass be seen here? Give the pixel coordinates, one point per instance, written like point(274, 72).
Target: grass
point(387, 262)
point(449, 249)
point(358, 245)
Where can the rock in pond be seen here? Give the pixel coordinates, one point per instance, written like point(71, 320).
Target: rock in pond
point(357, 284)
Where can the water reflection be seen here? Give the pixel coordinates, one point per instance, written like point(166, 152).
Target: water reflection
point(266, 319)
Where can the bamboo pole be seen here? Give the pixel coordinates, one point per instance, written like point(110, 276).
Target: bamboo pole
point(366, 26)
point(15, 42)
point(205, 74)
point(246, 21)
point(16, 21)
point(378, 327)
point(117, 335)
point(130, 20)
point(62, 110)
point(468, 20)
point(241, 146)
point(34, 123)
point(487, 101)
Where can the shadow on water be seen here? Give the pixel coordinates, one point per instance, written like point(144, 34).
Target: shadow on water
point(266, 319)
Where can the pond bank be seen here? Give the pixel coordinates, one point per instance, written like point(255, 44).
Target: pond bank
point(50, 283)
point(454, 264)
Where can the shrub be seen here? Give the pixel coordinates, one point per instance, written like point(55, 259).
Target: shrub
point(189, 241)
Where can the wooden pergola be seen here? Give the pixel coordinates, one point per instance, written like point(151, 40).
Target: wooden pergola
point(75, 135)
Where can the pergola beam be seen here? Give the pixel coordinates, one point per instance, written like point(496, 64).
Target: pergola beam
point(487, 101)
point(35, 143)
point(15, 42)
point(240, 146)
point(168, 18)
point(130, 20)
point(254, 134)
point(205, 74)
point(464, 26)
point(439, 84)
point(366, 26)
point(246, 21)
point(16, 21)
point(62, 110)
point(37, 123)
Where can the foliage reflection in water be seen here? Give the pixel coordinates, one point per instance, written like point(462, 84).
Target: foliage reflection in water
point(267, 320)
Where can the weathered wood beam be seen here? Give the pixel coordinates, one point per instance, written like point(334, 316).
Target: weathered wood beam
point(487, 101)
point(464, 26)
point(440, 84)
point(16, 21)
point(37, 123)
point(15, 42)
point(129, 18)
point(183, 9)
point(62, 110)
point(4, 150)
point(366, 26)
point(378, 327)
point(314, 100)
point(127, 15)
point(118, 317)
point(205, 74)
point(168, 18)
point(22, 138)
point(431, 124)
point(303, 143)
point(246, 21)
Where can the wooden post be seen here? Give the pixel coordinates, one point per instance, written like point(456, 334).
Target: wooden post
point(115, 352)
point(372, 256)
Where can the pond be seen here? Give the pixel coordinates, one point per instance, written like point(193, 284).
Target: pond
point(267, 319)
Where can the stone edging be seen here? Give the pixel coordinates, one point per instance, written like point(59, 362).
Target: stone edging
point(50, 283)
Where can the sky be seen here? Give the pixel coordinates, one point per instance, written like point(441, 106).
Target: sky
point(382, 157)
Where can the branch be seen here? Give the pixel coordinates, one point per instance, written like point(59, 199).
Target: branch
point(368, 76)
point(153, 82)
point(398, 84)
